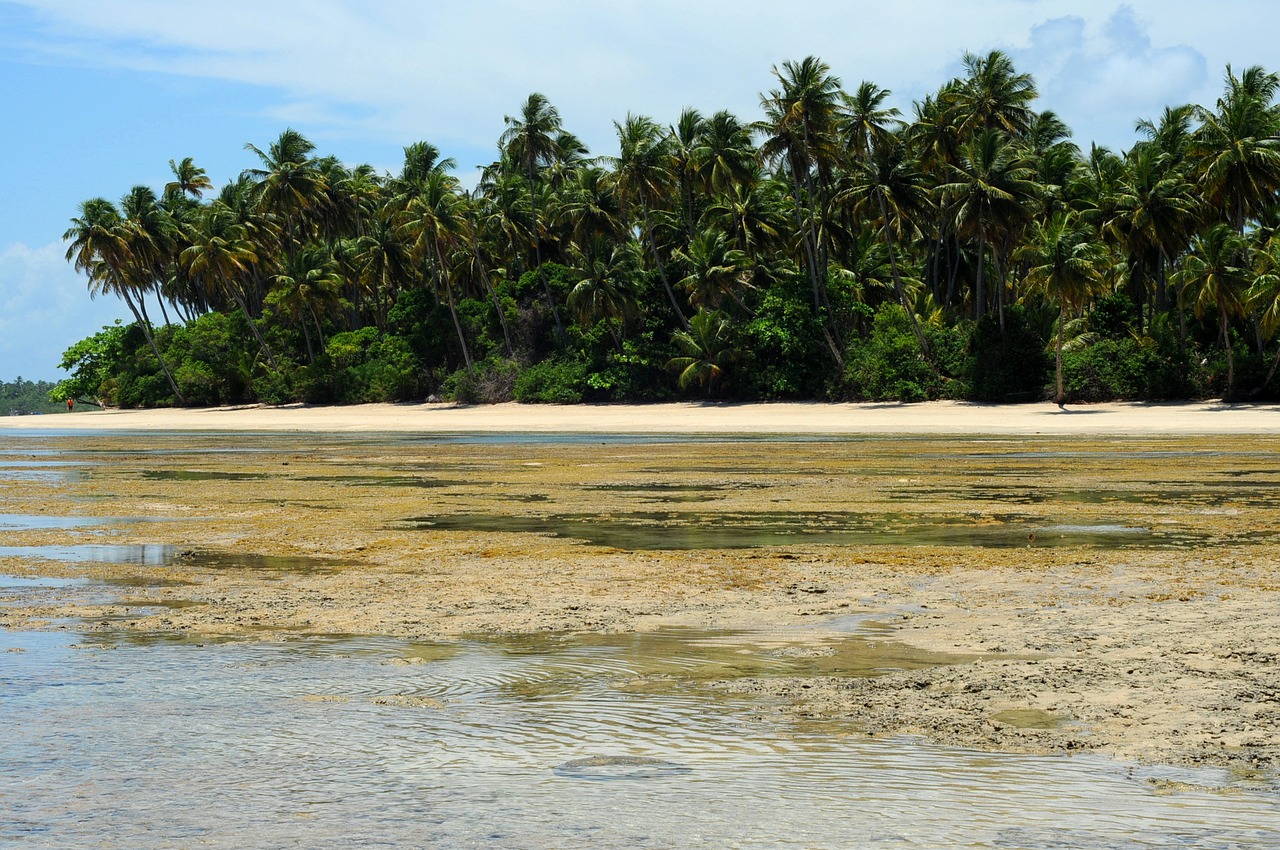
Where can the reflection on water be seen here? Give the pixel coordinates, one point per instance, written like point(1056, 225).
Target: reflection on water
point(348, 742)
point(673, 530)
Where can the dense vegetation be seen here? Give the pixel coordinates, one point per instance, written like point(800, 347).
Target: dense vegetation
point(19, 397)
point(831, 249)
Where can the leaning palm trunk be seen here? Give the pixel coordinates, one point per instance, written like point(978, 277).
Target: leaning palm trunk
point(657, 261)
point(240, 300)
point(453, 309)
point(146, 331)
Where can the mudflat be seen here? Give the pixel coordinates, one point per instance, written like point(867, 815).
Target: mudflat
point(1113, 593)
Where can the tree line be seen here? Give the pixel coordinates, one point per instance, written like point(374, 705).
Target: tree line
point(832, 248)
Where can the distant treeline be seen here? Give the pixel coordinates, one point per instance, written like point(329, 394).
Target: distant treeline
point(18, 397)
point(832, 248)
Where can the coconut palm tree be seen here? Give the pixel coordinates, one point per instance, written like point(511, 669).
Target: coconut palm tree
point(1063, 261)
point(529, 143)
point(1236, 150)
point(308, 288)
point(991, 190)
point(1216, 274)
point(642, 174)
point(222, 255)
point(102, 246)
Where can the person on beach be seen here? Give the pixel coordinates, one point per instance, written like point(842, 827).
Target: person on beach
point(71, 404)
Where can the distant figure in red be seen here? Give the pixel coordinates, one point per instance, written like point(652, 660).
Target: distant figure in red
point(71, 404)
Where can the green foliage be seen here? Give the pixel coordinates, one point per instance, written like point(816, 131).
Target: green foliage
point(553, 382)
point(92, 362)
point(1009, 365)
point(783, 345)
point(888, 365)
point(362, 366)
point(1114, 316)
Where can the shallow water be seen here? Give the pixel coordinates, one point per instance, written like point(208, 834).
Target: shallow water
point(122, 739)
point(560, 743)
point(686, 530)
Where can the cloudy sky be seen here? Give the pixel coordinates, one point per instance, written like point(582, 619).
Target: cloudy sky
point(99, 95)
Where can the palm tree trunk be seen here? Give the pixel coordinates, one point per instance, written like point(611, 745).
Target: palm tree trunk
point(1061, 397)
point(240, 300)
point(657, 261)
point(537, 252)
point(1231, 360)
point(146, 331)
point(453, 308)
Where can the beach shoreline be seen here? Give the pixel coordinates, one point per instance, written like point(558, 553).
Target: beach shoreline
point(816, 418)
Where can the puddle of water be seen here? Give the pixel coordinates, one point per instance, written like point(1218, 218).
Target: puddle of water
point(143, 554)
point(200, 475)
point(682, 530)
point(8, 582)
point(342, 743)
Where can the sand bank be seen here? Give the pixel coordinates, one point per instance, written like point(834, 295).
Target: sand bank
point(941, 417)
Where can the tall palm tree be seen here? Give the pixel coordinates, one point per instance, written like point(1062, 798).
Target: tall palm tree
point(800, 132)
point(1216, 275)
point(890, 188)
point(1236, 150)
point(642, 173)
point(991, 190)
point(223, 256)
point(100, 247)
point(434, 223)
point(308, 287)
point(1063, 261)
point(529, 142)
point(188, 179)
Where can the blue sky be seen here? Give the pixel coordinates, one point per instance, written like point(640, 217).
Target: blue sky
point(99, 95)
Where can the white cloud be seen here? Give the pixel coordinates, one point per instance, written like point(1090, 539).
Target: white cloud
point(400, 70)
point(1109, 74)
point(44, 309)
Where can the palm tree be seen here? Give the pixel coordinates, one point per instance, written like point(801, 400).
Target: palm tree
point(605, 289)
point(223, 256)
point(799, 130)
point(434, 223)
point(717, 271)
point(1236, 150)
point(890, 188)
point(308, 287)
point(707, 348)
point(289, 185)
point(993, 96)
point(529, 142)
point(1063, 261)
point(992, 190)
point(100, 247)
point(1216, 274)
point(642, 173)
point(188, 179)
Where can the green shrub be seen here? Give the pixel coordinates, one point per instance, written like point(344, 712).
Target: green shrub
point(552, 382)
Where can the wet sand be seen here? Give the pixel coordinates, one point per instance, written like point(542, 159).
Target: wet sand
point(1156, 640)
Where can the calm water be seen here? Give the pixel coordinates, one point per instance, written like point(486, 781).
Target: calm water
point(119, 740)
point(379, 743)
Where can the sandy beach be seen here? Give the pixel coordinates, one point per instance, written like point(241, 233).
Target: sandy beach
point(942, 417)
point(1104, 579)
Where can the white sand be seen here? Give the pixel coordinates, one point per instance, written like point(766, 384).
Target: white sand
point(943, 417)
